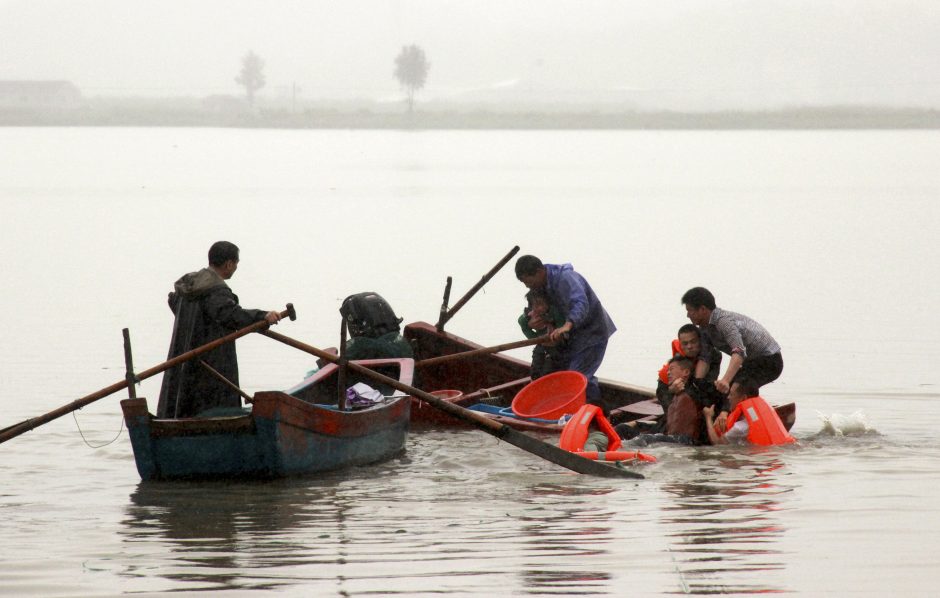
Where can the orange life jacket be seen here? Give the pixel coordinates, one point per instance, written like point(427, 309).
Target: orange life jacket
point(676, 350)
point(764, 425)
point(576, 431)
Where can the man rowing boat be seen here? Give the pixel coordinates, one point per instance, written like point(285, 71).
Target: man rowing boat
point(206, 309)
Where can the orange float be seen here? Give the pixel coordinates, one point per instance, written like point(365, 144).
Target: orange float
point(617, 456)
point(576, 431)
point(763, 424)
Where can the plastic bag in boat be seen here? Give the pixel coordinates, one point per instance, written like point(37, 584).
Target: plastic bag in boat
point(362, 396)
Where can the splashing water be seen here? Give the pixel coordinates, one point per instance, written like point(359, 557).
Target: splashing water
point(837, 424)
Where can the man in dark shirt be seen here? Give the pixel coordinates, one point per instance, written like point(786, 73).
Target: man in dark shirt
point(206, 309)
point(707, 362)
point(682, 422)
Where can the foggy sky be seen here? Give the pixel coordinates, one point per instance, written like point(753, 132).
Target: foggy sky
point(668, 53)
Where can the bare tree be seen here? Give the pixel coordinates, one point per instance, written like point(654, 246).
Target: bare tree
point(251, 76)
point(411, 70)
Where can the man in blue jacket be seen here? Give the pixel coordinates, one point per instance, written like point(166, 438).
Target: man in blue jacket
point(587, 324)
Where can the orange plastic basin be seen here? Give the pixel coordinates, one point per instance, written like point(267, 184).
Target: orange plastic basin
point(551, 396)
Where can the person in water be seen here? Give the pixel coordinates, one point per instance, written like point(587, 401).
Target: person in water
point(682, 422)
point(756, 359)
point(707, 362)
point(587, 323)
point(751, 421)
point(538, 319)
point(700, 386)
point(205, 309)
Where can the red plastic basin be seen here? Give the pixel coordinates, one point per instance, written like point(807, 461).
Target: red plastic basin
point(551, 396)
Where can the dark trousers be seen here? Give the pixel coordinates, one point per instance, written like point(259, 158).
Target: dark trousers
point(587, 361)
point(758, 371)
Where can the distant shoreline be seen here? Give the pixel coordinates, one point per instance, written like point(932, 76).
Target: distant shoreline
point(153, 115)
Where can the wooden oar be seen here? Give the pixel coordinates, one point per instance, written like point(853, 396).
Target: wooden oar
point(487, 393)
point(34, 422)
point(535, 446)
point(341, 374)
point(483, 351)
point(445, 316)
point(129, 365)
point(248, 398)
point(443, 313)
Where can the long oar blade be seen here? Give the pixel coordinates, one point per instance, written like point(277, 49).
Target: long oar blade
point(546, 451)
point(566, 459)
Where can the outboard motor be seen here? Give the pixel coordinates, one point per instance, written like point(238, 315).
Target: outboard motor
point(369, 315)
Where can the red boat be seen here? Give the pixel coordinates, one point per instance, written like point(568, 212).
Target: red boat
point(487, 382)
point(483, 379)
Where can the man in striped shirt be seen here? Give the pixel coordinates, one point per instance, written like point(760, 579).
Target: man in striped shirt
point(755, 355)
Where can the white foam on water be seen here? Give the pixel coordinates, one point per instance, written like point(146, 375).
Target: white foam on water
point(837, 424)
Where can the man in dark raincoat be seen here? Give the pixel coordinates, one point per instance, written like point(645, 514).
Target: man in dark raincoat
point(206, 309)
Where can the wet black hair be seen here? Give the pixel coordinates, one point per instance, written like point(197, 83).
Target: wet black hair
point(221, 252)
point(527, 265)
point(698, 297)
point(536, 294)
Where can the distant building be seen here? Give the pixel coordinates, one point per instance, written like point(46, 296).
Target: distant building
point(39, 94)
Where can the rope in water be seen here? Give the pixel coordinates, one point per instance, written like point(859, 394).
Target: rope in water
point(98, 446)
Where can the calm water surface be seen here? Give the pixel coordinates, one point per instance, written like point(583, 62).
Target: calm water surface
point(828, 238)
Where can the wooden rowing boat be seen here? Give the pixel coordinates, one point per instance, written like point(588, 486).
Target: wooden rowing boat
point(488, 382)
point(298, 431)
point(490, 378)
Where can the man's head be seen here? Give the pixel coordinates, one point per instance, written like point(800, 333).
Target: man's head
point(223, 258)
point(531, 272)
point(679, 367)
point(690, 339)
point(699, 304)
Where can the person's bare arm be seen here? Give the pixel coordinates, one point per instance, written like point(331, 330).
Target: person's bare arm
point(713, 435)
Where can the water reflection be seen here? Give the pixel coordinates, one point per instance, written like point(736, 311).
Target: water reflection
point(232, 535)
point(725, 528)
point(443, 530)
point(568, 526)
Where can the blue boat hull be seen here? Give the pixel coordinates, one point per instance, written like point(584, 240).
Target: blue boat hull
point(265, 445)
point(282, 435)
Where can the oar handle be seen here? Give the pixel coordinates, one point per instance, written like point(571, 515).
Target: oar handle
point(483, 351)
point(29, 424)
point(255, 327)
